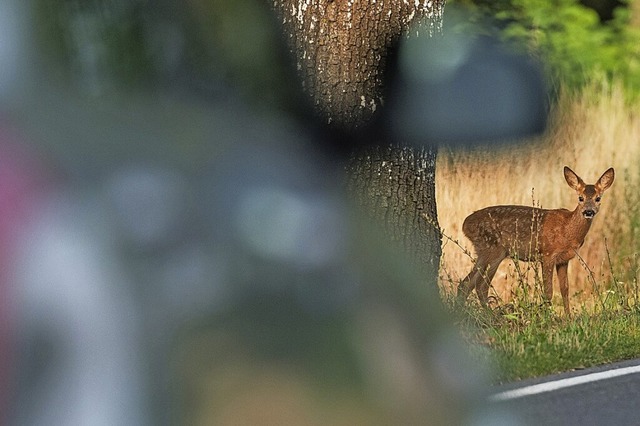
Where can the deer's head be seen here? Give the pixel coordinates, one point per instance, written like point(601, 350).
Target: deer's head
point(589, 196)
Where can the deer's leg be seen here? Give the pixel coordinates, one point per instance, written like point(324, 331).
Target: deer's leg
point(563, 281)
point(547, 279)
point(481, 275)
point(485, 276)
point(469, 283)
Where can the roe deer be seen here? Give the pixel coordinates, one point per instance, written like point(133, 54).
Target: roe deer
point(531, 234)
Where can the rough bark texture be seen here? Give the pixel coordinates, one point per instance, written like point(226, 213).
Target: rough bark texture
point(397, 187)
point(341, 47)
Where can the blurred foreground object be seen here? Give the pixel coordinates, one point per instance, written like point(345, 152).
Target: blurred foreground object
point(20, 182)
point(465, 89)
point(77, 328)
point(201, 263)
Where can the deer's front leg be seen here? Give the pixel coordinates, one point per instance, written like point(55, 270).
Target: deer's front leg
point(563, 281)
point(547, 278)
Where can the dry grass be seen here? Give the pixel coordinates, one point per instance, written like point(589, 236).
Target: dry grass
point(590, 132)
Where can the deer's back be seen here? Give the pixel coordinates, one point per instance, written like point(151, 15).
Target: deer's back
point(515, 229)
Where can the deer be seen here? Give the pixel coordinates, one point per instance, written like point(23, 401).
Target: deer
point(551, 237)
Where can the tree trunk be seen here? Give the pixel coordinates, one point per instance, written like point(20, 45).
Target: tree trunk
point(341, 47)
point(397, 187)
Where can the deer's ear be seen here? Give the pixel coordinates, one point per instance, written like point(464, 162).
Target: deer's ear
point(573, 179)
point(605, 180)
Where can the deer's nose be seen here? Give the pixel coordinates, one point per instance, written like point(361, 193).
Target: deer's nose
point(589, 213)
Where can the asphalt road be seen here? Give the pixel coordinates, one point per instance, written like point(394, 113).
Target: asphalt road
point(606, 395)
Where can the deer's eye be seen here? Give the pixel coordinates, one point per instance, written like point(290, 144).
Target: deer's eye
point(597, 199)
point(581, 198)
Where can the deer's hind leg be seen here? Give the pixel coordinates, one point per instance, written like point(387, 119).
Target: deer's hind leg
point(466, 285)
point(481, 275)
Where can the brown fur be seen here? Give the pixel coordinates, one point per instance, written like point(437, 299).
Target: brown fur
point(531, 234)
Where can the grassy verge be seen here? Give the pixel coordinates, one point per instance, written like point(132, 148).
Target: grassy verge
point(552, 346)
point(547, 343)
point(525, 337)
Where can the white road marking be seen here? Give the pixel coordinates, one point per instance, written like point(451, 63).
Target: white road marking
point(563, 383)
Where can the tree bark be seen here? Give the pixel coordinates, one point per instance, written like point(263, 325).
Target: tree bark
point(396, 185)
point(341, 48)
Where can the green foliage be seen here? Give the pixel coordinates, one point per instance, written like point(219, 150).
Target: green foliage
point(570, 39)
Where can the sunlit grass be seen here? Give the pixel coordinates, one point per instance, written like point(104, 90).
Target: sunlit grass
point(590, 132)
point(525, 337)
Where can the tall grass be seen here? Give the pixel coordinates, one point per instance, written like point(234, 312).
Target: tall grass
point(589, 132)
